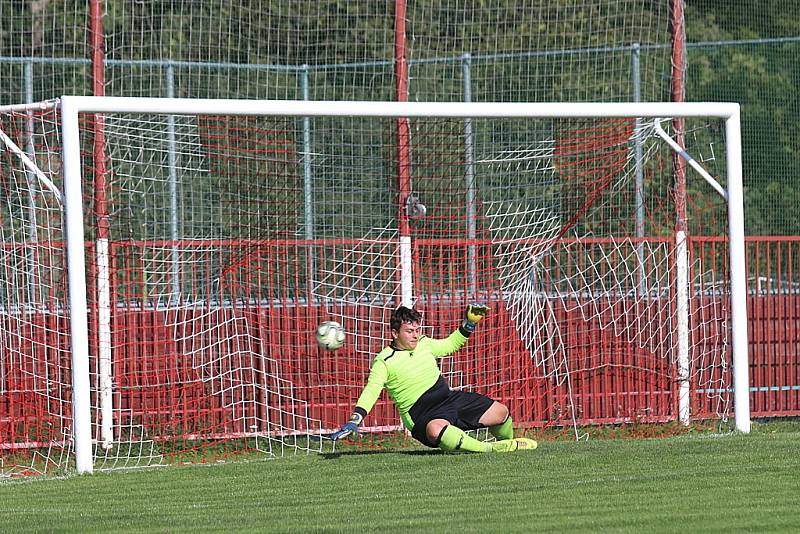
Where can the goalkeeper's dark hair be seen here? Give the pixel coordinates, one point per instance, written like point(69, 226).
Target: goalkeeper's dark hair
point(404, 315)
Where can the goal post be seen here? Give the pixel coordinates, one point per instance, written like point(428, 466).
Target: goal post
point(738, 269)
point(76, 261)
point(237, 225)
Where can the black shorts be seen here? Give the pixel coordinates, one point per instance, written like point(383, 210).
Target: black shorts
point(461, 408)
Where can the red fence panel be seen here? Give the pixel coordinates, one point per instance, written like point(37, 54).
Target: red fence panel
point(165, 366)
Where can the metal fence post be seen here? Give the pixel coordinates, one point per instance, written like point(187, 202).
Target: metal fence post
point(636, 81)
point(172, 164)
point(308, 188)
point(469, 155)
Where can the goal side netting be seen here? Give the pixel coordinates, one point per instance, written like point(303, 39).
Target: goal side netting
point(215, 236)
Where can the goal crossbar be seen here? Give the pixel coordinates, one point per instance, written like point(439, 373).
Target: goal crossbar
point(320, 108)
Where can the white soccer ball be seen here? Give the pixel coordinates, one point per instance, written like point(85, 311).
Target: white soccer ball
point(330, 335)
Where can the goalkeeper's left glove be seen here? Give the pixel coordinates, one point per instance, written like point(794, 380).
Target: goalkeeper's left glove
point(350, 427)
point(474, 313)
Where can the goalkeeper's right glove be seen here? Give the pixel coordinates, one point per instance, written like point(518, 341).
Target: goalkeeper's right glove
point(474, 313)
point(350, 427)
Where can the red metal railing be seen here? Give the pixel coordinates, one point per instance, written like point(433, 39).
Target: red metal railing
point(161, 371)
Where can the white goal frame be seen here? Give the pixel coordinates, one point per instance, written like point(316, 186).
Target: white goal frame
point(72, 106)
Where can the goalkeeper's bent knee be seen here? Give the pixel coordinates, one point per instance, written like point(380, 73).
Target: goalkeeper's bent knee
point(504, 430)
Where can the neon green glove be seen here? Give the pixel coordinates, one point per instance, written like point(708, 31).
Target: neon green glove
point(474, 313)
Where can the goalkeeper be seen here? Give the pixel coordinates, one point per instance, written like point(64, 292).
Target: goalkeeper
point(436, 415)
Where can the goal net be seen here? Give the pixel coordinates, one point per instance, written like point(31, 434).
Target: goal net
point(219, 234)
point(35, 382)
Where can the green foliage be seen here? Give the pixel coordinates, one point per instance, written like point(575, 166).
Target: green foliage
point(763, 78)
point(741, 19)
point(257, 49)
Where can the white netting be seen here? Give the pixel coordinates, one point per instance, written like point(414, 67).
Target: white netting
point(35, 380)
point(231, 238)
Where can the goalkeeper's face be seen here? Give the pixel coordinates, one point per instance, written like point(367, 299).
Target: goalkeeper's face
point(407, 337)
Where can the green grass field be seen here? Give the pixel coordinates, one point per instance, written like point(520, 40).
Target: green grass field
point(697, 482)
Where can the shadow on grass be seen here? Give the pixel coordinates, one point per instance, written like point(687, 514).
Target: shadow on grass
point(418, 452)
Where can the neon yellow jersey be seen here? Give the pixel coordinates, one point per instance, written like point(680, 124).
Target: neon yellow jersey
point(406, 375)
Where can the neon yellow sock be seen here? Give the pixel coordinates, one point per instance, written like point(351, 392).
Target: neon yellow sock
point(504, 430)
point(454, 439)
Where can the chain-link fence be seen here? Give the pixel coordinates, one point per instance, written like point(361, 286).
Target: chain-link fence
point(763, 75)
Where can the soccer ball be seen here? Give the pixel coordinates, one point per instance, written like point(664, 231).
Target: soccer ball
point(330, 335)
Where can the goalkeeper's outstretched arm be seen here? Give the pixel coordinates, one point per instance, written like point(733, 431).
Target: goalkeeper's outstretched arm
point(369, 396)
